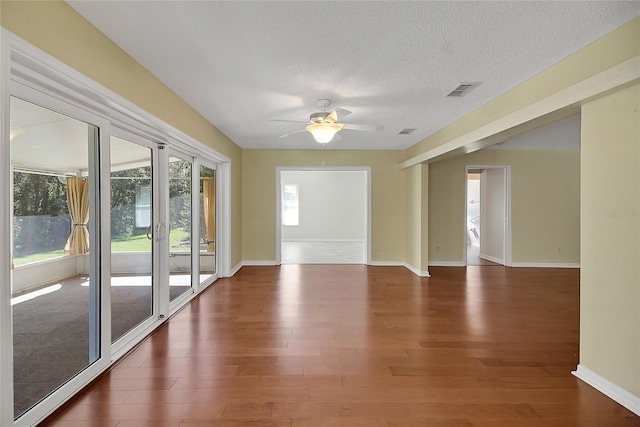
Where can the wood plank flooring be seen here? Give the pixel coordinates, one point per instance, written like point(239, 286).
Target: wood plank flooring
point(320, 345)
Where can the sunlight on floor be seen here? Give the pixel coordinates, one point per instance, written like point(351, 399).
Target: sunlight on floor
point(31, 295)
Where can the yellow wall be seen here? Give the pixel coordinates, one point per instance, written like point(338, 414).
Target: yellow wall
point(610, 274)
point(57, 29)
point(259, 197)
point(614, 48)
point(545, 204)
point(416, 199)
point(413, 216)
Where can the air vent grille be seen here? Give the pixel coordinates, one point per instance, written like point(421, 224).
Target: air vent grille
point(462, 89)
point(406, 131)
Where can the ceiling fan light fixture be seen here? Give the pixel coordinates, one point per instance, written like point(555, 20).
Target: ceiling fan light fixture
point(323, 132)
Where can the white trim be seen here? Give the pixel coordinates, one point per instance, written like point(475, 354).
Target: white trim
point(235, 269)
point(546, 264)
point(601, 82)
point(387, 263)
point(224, 221)
point(324, 240)
point(6, 214)
point(606, 387)
point(447, 264)
point(254, 263)
point(365, 169)
point(491, 258)
point(417, 271)
point(506, 244)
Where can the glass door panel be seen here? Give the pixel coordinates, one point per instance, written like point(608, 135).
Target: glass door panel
point(55, 285)
point(132, 236)
point(207, 224)
point(180, 213)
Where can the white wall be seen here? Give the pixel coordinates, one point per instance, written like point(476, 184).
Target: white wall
point(332, 205)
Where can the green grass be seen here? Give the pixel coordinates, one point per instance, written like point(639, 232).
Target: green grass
point(130, 244)
point(37, 257)
point(142, 243)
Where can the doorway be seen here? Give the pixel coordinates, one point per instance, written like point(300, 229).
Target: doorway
point(323, 216)
point(487, 222)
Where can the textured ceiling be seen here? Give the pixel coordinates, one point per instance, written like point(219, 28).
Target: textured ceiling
point(244, 64)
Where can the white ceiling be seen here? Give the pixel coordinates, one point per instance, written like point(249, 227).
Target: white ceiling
point(244, 64)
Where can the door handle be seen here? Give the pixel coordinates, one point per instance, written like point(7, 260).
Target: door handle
point(158, 229)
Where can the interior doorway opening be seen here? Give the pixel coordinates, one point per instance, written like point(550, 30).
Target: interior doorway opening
point(487, 222)
point(323, 216)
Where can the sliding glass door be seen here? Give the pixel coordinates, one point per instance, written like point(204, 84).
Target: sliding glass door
point(135, 229)
point(207, 214)
point(108, 224)
point(180, 225)
point(55, 247)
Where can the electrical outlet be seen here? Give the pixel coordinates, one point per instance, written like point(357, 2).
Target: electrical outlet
point(559, 249)
point(437, 248)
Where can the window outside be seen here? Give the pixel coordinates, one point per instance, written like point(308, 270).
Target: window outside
point(290, 206)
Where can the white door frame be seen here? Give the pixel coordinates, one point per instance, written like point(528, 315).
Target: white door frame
point(365, 169)
point(507, 214)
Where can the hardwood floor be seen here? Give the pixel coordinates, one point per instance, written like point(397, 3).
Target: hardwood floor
point(318, 345)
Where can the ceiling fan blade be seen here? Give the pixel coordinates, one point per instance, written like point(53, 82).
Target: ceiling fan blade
point(342, 113)
point(352, 126)
point(292, 133)
point(289, 121)
point(337, 137)
point(331, 118)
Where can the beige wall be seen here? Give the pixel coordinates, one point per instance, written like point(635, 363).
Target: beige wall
point(610, 274)
point(545, 192)
point(57, 29)
point(413, 216)
point(416, 199)
point(259, 197)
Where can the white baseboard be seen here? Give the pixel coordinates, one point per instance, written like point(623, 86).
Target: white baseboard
point(417, 271)
point(235, 269)
point(411, 268)
point(447, 264)
point(545, 264)
point(258, 262)
point(606, 387)
point(324, 240)
point(387, 263)
point(491, 258)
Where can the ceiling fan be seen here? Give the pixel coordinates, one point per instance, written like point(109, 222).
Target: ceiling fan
point(324, 125)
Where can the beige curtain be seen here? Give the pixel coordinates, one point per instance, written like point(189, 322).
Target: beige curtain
point(78, 201)
point(209, 205)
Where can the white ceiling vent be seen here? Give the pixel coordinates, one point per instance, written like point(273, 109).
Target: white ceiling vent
point(406, 131)
point(463, 89)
